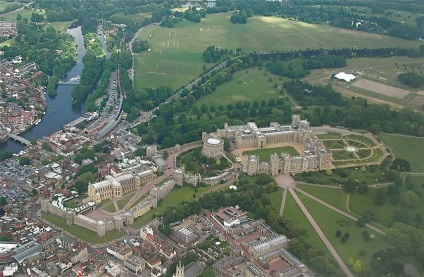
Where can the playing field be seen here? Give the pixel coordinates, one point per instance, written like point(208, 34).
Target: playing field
point(246, 86)
point(406, 147)
point(381, 88)
point(176, 53)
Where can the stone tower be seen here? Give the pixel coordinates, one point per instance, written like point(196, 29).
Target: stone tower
point(69, 217)
point(180, 270)
point(44, 205)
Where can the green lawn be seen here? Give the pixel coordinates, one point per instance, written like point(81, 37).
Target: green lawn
point(138, 201)
point(266, 152)
point(330, 221)
point(246, 86)
point(276, 198)
point(176, 54)
point(4, 5)
point(24, 13)
point(124, 200)
point(295, 218)
point(408, 148)
point(70, 204)
point(110, 208)
point(335, 197)
point(60, 26)
point(175, 197)
point(81, 232)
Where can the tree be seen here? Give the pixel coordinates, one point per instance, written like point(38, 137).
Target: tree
point(357, 266)
point(24, 161)
point(208, 272)
point(408, 239)
point(349, 185)
point(409, 199)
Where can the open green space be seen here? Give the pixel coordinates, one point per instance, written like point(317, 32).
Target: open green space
point(333, 196)
point(334, 143)
point(342, 155)
point(81, 232)
point(175, 197)
point(70, 204)
point(387, 213)
point(6, 4)
point(276, 198)
point(406, 147)
point(110, 207)
point(266, 152)
point(176, 54)
point(246, 86)
point(331, 221)
point(294, 216)
point(138, 201)
point(124, 200)
point(61, 26)
point(371, 175)
point(133, 19)
point(25, 13)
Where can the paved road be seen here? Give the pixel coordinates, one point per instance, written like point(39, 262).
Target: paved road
point(321, 234)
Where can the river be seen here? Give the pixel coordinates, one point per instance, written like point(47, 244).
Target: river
point(59, 110)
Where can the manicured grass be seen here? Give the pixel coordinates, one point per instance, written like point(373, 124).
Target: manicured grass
point(138, 201)
point(335, 197)
point(81, 232)
point(342, 155)
point(175, 197)
point(387, 213)
point(60, 26)
point(176, 54)
point(276, 198)
point(408, 148)
point(246, 86)
point(124, 200)
point(295, 218)
point(110, 208)
point(70, 204)
point(334, 144)
point(330, 221)
point(266, 152)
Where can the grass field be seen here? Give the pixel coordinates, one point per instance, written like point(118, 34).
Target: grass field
point(276, 197)
point(4, 4)
point(176, 54)
point(138, 201)
point(406, 147)
point(335, 197)
point(266, 152)
point(330, 221)
point(61, 26)
point(24, 13)
point(294, 216)
point(124, 200)
point(175, 197)
point(81, 232)
point(246, 86)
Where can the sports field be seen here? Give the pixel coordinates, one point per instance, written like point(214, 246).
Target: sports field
point(176, 53)
point(246, 86)
point(406, 147)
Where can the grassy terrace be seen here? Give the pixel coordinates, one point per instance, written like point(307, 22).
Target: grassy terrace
point(276, 198)
point(124, 200)
point(81, 232)
point(266, 152)
point(176, 57)
point(414, 151)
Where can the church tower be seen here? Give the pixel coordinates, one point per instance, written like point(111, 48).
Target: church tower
point(180, 270)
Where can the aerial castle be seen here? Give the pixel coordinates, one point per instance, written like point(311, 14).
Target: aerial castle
point(314, 157)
